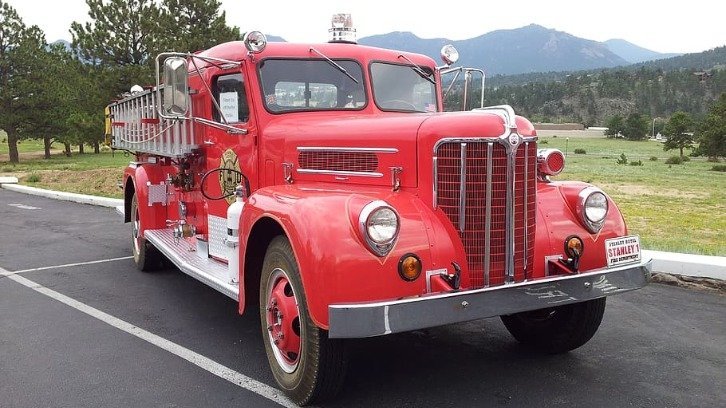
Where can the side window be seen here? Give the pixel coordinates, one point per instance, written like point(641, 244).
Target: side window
point(229, 92)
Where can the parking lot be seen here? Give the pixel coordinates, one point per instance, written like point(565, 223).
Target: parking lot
point(81, 327)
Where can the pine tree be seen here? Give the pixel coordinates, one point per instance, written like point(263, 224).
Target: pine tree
point(21, 77)
point(123, 35)
point(712, 134)
point(194, 25)
point(679, 132)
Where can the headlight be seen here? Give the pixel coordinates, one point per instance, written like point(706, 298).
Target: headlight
point(593, 208)
point(379, 225)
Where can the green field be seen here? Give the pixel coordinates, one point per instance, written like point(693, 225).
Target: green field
point(679, 208)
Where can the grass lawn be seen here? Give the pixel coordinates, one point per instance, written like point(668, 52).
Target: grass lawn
point(95, 174)
point(680, 208)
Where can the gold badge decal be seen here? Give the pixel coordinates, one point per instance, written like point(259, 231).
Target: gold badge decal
point(228, 179)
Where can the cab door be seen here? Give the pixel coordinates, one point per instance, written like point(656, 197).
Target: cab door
point(228, 153)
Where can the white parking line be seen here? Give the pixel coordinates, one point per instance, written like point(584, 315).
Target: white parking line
point(197, 359)
point(45, 268)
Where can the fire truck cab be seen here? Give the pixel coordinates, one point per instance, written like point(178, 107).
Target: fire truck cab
point(324, 186)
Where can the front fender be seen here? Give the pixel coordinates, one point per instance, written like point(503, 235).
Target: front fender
point(335, 264)
point(557, 219)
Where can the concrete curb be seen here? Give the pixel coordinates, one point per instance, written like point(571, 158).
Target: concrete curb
point(699, 266)
point(60, 195)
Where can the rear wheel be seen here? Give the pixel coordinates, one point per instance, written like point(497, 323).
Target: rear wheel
point(146, 256)
point(307, 365)
point(558, 329)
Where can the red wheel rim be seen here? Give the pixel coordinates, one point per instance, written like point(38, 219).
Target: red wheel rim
point(283, 321)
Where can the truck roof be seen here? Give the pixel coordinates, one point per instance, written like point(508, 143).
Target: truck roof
point(236, 51)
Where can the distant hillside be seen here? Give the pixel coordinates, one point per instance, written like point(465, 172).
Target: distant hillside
point(274, 38)
point(590, 97)
point(527, 49)
point(633, 53)
point(698, 61)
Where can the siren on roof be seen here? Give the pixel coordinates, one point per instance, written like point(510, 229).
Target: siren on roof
point(342, 30)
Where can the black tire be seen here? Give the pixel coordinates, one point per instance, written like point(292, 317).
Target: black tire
point(316, 371)
point(558, 329)
point(146, 257)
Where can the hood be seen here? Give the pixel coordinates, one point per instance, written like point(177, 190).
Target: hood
point(363, 149)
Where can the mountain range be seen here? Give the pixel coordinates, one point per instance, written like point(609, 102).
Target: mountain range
point(532, 48)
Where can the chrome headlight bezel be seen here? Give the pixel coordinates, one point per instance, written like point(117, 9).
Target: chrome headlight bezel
point(545, 158)
point(592, 202)
point(381, 246)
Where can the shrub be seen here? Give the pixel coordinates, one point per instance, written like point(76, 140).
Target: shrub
point(653, 158)
point(33, 178)
point(674, 160)
point(580, 151)
point(622, 159)
point(636, 163)
point(719, 167)
point(686, 158)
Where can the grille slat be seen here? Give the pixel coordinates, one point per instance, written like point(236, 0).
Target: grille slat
point(481, 167)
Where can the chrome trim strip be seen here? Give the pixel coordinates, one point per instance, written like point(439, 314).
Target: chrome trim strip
point(436, 181)
point(509, 244)
point(462, 188)
point(488, 221)
point(340, 173)
point(526, 198)
point(505, 111)
point(357, 320)
point(347, 149)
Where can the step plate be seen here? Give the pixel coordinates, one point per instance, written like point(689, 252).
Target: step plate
point(183, 254)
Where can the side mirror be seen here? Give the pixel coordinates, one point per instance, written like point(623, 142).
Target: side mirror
point(175, 100)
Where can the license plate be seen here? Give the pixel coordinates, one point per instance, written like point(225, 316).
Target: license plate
point(622, 250)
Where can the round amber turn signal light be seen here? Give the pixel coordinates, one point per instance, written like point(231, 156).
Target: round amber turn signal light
point(409, 267)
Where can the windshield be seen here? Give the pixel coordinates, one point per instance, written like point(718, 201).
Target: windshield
point(295, 85)
point(402, 88)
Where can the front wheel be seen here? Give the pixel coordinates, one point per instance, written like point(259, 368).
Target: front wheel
point(558, 329)
point(307, 365)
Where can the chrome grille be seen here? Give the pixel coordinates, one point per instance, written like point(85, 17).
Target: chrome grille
point(464, 170)
point(338, 161)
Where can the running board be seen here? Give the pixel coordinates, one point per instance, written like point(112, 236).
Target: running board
point(183, 254)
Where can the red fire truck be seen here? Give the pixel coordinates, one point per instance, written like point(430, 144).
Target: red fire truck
point(325, 186)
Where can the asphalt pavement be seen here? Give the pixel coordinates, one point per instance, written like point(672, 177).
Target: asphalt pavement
point(661, 346)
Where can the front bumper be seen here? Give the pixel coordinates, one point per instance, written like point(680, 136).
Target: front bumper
point(358, 320)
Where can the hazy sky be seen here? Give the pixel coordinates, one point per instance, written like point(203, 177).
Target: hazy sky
point(662, 26)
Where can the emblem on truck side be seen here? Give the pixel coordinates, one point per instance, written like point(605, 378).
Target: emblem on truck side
point(228, 179)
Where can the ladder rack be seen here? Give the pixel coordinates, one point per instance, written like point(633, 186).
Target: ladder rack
point(136, 126)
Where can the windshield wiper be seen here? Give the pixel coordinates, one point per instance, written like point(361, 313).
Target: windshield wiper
point(335, 64)
point(417, 69)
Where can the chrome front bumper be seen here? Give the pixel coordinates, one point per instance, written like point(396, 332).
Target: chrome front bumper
point(358, 320)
